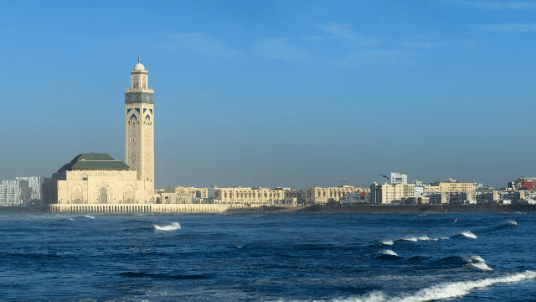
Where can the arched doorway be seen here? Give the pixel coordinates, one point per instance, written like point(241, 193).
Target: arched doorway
point(103, 195)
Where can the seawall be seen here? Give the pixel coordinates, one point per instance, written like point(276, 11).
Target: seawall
point(139, 208)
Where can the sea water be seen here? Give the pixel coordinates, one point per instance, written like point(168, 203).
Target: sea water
point(272, 257)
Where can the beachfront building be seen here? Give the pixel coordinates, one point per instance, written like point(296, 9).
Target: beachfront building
point(391, 194)
point(355, 198)
point(22, 191)
point(398, 178)
point(194, 192)
point(487, 196)
point(325, 195)
point(440, 192)
point(523, 183)
point(254, 197)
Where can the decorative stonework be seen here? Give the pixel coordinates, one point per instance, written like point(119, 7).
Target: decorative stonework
point(139, 97)
point(139, 141)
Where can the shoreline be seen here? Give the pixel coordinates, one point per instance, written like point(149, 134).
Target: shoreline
point(328, 209)
point(367, 208)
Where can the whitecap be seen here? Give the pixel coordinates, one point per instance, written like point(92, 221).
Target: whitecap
point(89, 216)
point(481, 266)
point(388, 242)
point(511, 222)
point(476, 258)
point(445, 290)
point(388, 252)
point(468, 234)
point(71, 219)
point(423, 238)
point(172, 227)
point(458, 289)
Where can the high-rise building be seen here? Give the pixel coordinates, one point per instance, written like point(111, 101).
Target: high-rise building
point(398, 178)
point(139, 127)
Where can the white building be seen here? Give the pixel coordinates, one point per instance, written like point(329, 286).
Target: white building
point(397, 178)
point(22, 191)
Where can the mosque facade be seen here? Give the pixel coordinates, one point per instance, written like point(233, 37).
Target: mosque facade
point(98, 183)
point(99, 179)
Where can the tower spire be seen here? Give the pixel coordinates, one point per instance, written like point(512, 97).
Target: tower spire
point(139, 58)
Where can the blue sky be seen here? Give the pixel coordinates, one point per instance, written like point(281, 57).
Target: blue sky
point(284, 93)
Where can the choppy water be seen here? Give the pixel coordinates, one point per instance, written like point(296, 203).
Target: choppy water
point(275, 257)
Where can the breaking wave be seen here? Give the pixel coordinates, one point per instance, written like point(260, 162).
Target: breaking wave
point(511, 222)
point(468, 234)
point(388, 252)
point(388, 242)
point(445, 290)
point(478, 263)
point(172, 227)
point(89, 216)
point(423, 238)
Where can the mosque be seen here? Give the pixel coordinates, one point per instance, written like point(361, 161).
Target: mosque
point(96, 182)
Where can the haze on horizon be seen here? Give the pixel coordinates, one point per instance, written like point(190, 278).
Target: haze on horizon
point(276, 93)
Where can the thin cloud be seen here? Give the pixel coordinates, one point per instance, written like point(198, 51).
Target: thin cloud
point(498, 5)
point(370, 57)
point(509, 28)
point(314, 38)
point(419, 44)
point(427, 41)
point(199, 42)
point(337, 31)
point(277, 48)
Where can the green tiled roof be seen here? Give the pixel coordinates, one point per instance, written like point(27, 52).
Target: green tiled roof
point(94, 161)
point(94, 156)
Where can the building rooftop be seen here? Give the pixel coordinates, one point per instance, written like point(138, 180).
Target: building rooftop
point(95, 161)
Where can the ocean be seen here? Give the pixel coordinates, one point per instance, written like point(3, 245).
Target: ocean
point(268, 257)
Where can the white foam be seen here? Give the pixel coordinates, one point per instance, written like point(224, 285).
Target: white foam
point(89, 216)
point(479, 263)
point(511, 222)
point(388, 242)
point(476, 258)
point(468, 234)
point(458, 289)
point(388, 252)
point(71, 219)
point(481, 266)
point(375, 296)
point(423, 238)
point(444, 290)
point(172, 227)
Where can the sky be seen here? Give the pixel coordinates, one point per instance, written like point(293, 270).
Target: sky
point(275, 93)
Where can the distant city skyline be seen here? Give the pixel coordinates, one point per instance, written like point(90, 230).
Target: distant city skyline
point(276, 93)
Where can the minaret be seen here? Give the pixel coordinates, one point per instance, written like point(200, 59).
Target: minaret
point(139, 128)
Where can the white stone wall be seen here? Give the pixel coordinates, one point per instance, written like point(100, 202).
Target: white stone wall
point(102, 187)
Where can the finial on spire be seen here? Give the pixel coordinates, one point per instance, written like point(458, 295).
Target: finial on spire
point(139, 58)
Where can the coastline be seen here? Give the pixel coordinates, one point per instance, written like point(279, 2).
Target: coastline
point(359, 208)
point(367, 208)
